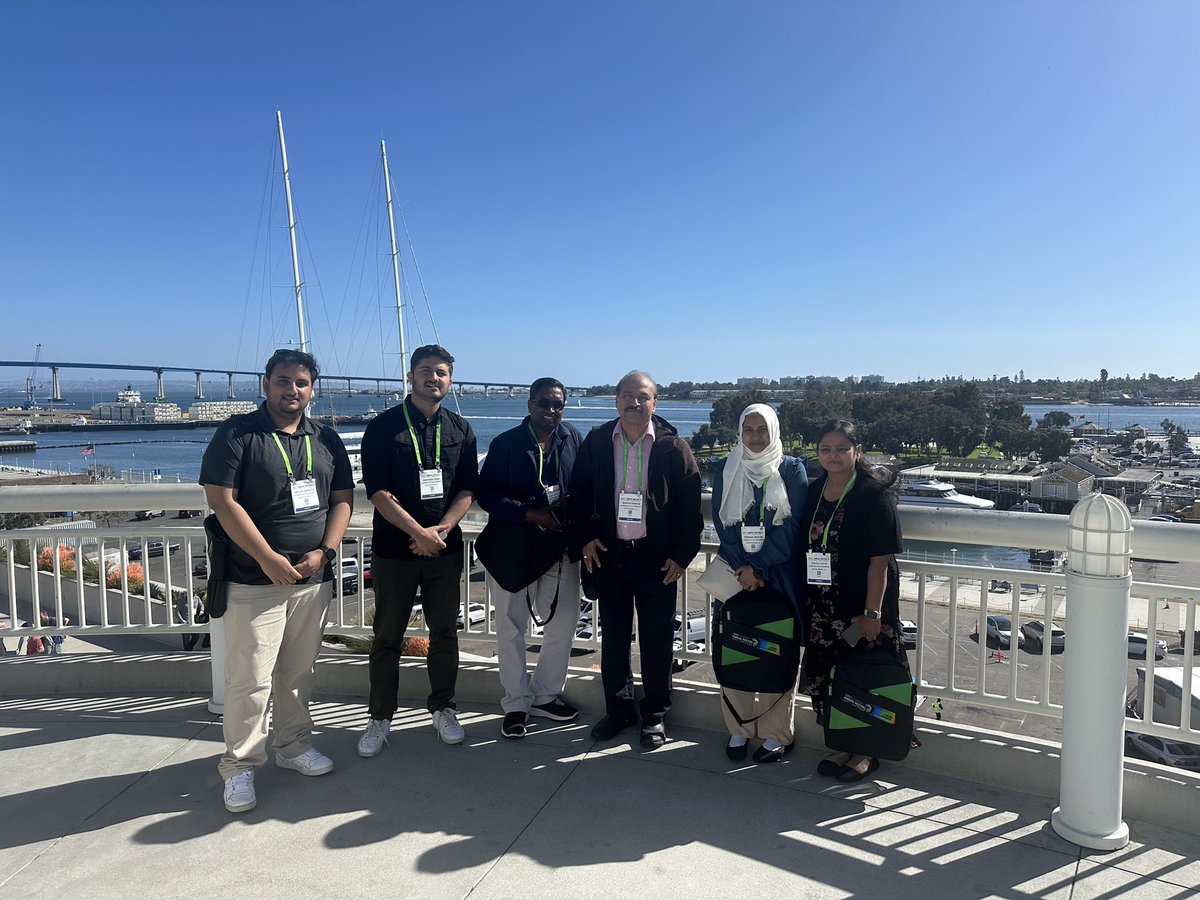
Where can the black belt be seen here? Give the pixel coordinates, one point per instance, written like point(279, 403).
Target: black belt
point(632, 545)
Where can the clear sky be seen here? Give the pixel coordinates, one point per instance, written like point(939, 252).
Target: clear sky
point(704, 190)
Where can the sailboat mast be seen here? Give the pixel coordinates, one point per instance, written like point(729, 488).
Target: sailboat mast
point(287, 187)
point(387, 184)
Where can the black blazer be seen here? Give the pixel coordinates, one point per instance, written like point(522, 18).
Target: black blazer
point(674, 519)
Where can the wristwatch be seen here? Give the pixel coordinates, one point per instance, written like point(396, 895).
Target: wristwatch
point(330, 553)
point(872, 614)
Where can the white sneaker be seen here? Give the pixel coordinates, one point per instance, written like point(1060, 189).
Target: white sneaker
point(372, 741)
point(239, 793)
point(311, 762)
point(448, 729)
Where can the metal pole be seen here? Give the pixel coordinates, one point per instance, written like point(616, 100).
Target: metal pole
point(1092, 766)
point(287, 188)
point(387, 183)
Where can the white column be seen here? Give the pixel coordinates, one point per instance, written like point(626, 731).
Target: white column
point(1092, 767)
point(216, 629)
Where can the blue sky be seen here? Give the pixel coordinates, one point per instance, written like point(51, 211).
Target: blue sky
point(703, 190)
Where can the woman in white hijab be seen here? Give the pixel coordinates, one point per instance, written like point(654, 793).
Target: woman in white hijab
point(758, 494)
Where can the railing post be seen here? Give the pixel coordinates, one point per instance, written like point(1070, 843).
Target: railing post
point(216, 634)
point(1099, 578)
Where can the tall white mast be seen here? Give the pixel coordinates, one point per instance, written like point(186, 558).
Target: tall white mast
point(387, 184)
point(287, 187)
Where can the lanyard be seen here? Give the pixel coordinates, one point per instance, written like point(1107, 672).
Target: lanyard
point(542, 457)
point(762, 508)
point(845, 491)
point(437, 458)
point(287, 461)
point(625, 470)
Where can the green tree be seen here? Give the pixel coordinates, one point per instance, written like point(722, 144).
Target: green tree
point(1055, 419)
point(1053, 444)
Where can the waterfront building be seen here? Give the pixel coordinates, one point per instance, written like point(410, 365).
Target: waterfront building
point(219, 410)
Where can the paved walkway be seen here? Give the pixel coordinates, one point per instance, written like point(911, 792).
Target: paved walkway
point(118, 796)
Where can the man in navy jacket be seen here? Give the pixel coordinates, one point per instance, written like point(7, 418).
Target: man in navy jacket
point(523, 487)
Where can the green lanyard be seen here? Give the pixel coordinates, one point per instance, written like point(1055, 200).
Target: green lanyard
point(437, 458)
point(845, 491)
point(542, 456)
point(287, 461)
point(625, 470)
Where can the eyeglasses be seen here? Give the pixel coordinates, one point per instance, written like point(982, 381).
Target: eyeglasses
point(552, 405)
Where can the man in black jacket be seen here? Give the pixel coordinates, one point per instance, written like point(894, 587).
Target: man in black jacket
point(525, 479)
point(636, 523)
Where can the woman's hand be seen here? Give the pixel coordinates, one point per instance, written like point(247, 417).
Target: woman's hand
point(870, 628)
point(747, 579)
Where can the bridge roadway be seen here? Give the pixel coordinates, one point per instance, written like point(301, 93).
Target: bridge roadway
point(198, 371)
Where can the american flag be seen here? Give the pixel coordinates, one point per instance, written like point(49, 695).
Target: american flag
point(89, 450)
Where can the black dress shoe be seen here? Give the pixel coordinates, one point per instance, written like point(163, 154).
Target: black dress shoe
point(610, 726)
point(737, 754)
point(852, 774)
point(763, 755)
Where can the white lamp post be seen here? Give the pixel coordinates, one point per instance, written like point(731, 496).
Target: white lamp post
point(1098, 574)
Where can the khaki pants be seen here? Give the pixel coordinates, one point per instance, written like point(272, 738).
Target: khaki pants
point(776, 720)
point(272, 637)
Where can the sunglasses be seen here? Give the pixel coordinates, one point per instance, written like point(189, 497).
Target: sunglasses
point(552, 405)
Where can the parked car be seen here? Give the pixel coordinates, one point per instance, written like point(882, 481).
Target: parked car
point(1000, 587)
point(1137, 647)
point(187, 513)
point(1164, 518)
point(908, 633)
point(349, 576)
point(476, 614)
point(697, 628)
point(200, 568)
point(1160, 750)
point(152, 548)
point(1033, 630)
point(999, 629)
point(367, 581)
point(144, 514)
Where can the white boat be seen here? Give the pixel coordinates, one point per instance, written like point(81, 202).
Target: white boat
point(939, 493)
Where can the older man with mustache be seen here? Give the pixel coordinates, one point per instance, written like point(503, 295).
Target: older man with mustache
point(636, 522)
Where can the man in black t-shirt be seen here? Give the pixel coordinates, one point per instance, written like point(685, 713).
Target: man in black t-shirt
point(281, 487)
point(419, 464)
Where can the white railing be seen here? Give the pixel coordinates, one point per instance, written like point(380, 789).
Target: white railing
point(965, 592)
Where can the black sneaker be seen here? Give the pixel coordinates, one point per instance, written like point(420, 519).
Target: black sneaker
point(610, 726)
point(514, 725)
point(555, 709)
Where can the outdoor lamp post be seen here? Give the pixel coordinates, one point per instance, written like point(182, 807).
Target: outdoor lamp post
point(1099, 578)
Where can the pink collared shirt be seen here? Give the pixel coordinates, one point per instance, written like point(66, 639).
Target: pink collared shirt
point(627, 477)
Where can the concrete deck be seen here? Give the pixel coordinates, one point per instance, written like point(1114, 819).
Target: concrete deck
point(117, 795)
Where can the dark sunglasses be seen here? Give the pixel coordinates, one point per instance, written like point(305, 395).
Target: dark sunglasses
point(552, 405)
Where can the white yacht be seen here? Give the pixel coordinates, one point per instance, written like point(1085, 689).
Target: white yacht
point(939, 493)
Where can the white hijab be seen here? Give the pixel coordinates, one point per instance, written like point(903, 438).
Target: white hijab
point(744, 468)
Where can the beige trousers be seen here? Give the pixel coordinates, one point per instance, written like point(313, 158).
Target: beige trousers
point(776, 720)
point(272, 637)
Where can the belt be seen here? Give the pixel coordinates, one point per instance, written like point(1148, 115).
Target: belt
point(632, 545)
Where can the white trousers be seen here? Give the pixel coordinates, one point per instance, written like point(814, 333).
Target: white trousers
point(512, 617)
point(272, 638)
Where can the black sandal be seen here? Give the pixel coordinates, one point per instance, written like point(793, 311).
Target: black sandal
point(831, 769)
point(852, 774)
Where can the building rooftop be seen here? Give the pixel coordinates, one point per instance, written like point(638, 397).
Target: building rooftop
point(117, 794)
